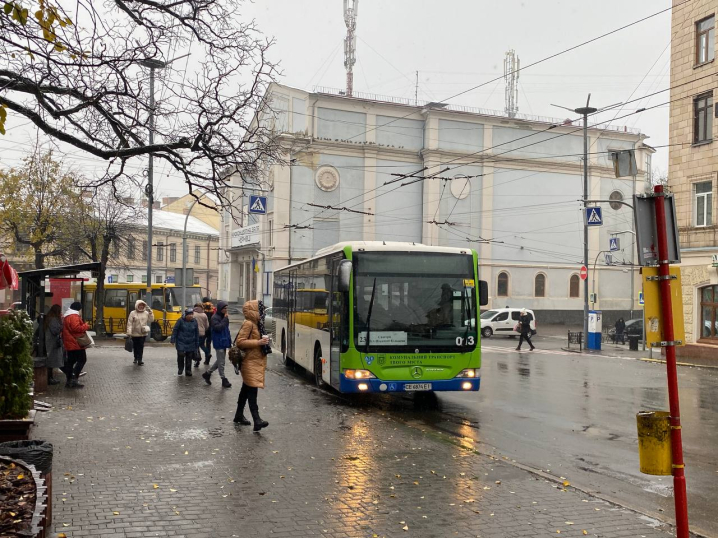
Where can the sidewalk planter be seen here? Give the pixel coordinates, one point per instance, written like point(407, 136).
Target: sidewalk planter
point(16, 376)
point(39, 455)
point(31, 521)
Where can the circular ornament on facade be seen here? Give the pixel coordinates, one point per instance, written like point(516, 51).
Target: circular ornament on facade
point(615, 196)
point(460, 187)
point(327, 178)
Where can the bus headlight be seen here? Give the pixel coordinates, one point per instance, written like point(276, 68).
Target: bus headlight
point(358, 374)
point(469, 372)
point(466, 385)
point(363, 386)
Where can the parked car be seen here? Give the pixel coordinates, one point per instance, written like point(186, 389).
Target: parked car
point(634, 327)
point(6, 311)
point(503, 321)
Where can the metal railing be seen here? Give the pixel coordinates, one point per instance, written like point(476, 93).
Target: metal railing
point(471, 110)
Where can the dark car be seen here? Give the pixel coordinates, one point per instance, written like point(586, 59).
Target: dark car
point(634, 327)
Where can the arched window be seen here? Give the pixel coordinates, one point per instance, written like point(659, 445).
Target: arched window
point(540, 285)
point(574, 289)
point(502, 286)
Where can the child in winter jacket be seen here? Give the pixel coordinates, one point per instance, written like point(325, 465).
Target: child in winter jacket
point(185, 337)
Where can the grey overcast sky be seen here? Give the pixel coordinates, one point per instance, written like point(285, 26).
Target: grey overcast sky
point(458, 44)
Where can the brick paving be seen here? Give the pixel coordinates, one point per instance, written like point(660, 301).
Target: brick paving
point(141, 452)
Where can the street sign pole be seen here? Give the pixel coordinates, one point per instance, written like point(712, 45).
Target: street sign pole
point(679, 478)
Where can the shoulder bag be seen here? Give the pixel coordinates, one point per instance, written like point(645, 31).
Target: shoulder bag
point(236, 355)
point(85, 340)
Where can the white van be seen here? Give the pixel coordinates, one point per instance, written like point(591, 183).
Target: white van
point(503, 321)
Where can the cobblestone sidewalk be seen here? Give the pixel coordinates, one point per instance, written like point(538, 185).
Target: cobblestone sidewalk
point(141, 452)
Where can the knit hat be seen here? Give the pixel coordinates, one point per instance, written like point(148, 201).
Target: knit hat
point(76, 306)
point(189, 311)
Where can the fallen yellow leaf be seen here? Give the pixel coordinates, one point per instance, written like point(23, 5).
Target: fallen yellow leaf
point(405, 528)
point(155, 486)
point(186, 452)
point(61, 535)
point(585, 532)
point(20, 476)
point(566, 483)
point(115, 513)
point(172, 490)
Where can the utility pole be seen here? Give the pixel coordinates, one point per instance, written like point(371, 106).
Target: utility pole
point(152, 64)
point(149, 188)
point(350, 42)
point(584, 111)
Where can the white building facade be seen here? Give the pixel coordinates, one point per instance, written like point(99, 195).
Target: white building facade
point(508, 187)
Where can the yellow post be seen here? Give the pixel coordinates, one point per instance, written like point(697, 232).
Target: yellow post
point(654, 442)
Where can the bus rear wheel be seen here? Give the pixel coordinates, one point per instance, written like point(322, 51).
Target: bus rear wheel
point(156, 333)
point(318, 381)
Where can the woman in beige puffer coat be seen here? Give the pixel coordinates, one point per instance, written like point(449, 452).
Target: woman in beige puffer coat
point(255, 343)
point(138, 327)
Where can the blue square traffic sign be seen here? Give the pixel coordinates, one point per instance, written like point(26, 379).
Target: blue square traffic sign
point(594, 216)
point(258, 204)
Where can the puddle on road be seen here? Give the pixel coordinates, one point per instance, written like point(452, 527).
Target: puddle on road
point(664, 490)
point(187, 434)
point(654, 523)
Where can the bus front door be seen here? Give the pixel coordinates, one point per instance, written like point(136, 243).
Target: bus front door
point(337, 313)
point(292, 316)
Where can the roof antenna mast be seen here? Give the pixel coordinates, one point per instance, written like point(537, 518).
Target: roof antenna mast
point(350, 42)
point(511, 77)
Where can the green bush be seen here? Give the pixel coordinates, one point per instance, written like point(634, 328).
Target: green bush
point(16, 365)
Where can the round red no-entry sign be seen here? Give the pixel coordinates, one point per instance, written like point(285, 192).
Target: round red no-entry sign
point(584, 273)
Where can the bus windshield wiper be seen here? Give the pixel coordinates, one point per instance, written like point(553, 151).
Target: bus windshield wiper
point(368, 317)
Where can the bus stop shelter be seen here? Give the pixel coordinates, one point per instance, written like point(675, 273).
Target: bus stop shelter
point(37, 285)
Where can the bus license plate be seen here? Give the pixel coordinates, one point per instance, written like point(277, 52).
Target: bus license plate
point(417, 386)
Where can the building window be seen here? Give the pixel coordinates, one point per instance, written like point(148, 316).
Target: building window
point(703, 118)
point(709, 319)
point(130, 278)
point(173, 252)
point(574, 286)
point(158, 279)
point(144, 279)
point(197, 253)
point(502, 286)
point(704, 203)
point(705, 37)
point(540, 285)
point(144, 250)
point(196, 281)
point(160, 251)
point(270, 239)
point(131, 248)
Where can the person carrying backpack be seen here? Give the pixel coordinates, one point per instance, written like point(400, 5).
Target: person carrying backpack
point(185, 336)
point(253, 340)
point(222, 340)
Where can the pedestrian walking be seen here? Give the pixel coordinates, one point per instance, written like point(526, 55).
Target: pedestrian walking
point(185, 337)
point(222, 340)
point(620, 331)
point(53, 343)
point(72, 328)
point(203, 326)
point(209, 311)
point(138, 327)
point(525, 329)
point(252, 338)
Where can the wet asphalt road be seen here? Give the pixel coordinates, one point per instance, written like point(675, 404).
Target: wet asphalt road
point(574, 416)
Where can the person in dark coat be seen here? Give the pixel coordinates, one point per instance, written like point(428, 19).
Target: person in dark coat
point(53, 343)
point(525, 328)
point(209, 311)
point(185, 337)
point(222, 341)
point(620, 331)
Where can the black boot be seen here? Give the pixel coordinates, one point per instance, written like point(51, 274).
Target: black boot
point(258, 422)
point(225, 383)
point(239, 418)
point(206, 377)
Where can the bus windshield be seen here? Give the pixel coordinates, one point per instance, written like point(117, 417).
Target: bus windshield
point(174, 298)
point(421, 300)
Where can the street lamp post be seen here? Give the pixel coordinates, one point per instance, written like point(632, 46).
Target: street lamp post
point(184, 257)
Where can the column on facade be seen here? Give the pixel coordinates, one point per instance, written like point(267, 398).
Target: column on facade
point(487, 200)
point(432, 189)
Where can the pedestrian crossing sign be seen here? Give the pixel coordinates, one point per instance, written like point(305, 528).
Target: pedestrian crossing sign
point(258, 204)
point(614, 244)
point(594, 216)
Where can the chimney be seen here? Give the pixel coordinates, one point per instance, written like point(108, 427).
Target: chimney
point(167, 200)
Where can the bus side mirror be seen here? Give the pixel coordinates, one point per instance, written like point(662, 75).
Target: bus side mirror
point(483, 293)
point(345, 273)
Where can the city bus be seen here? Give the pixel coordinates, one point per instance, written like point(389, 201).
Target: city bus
point(401, 317)
point(166, 304)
